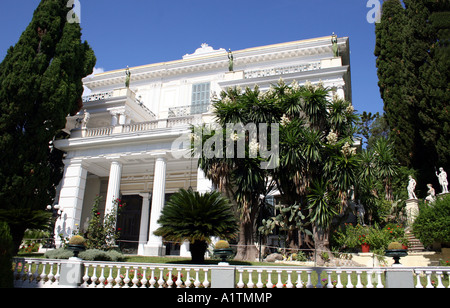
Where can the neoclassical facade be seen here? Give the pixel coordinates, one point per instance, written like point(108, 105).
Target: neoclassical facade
point(123, 144)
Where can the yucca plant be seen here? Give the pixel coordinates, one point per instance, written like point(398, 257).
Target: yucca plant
point(194, 217)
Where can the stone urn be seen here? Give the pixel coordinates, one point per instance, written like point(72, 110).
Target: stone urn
point(222, 250)
point(77, 244)
point(395, 250)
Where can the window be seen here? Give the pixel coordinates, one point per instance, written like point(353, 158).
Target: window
point(200, 98)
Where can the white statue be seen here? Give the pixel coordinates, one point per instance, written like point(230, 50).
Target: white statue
point(86, 118)
point(431, 197)
point(442, 176)
point(411, 187)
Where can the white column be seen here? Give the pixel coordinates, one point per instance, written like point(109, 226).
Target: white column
point(155, 246)
point(203, 184)
point(71, 198)
point(115, 175)
point(145, 215)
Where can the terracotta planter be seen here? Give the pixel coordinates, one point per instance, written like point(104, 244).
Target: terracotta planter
point(365, 247)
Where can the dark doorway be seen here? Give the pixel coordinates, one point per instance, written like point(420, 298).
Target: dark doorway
point(129, 223)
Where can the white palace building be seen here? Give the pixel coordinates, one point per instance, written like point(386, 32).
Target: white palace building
point(120, 144)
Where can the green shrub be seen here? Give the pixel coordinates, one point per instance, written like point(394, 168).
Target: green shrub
point(60, 253)
point(6, 248)
point(101, 255)
point(433, 222)
point(88, 255)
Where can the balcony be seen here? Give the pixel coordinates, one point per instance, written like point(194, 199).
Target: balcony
point(119, 112)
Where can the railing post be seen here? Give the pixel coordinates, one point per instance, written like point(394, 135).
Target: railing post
point(72, 273)
point(223, 277)
point(399, 278)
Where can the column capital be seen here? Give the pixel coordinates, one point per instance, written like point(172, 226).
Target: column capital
point(75, 162)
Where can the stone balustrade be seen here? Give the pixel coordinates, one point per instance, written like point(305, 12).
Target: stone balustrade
point(43, 273)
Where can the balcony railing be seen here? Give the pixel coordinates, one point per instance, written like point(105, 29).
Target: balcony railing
point(184, 111)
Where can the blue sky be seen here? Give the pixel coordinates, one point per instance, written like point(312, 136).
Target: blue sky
point(139, 32)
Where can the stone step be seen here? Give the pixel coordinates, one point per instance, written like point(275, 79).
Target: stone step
point(414, 243)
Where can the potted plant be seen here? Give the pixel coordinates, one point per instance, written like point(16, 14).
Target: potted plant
point(396, 251)
point(77, 244)
point(363, 240)
point(222, 250)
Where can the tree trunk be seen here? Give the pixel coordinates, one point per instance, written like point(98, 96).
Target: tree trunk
point(321, 241)
point(246, 250)
point(198, 250)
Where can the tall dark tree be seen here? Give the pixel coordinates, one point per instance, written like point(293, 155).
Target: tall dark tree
point(391, 73)
point(434, 109)
point(412, 52)
point(40, 84)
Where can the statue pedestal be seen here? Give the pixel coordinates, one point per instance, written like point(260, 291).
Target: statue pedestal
point(412, 210)
point(235, 75)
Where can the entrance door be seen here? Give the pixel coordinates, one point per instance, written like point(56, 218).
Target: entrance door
point(129, 223)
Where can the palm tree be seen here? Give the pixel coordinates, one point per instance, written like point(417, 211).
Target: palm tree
point(194, 217)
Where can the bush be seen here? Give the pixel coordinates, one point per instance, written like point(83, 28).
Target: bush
point(60, 253)
point(433, 222)
point(100, 255)
point(88, 255)
point(6, 248)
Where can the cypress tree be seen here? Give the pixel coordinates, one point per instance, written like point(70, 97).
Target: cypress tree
point(412, 50)
point(40, 84)
point(434, 109)
point(391, 74)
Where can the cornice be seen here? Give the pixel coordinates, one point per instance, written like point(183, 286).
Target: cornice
point(216, 61)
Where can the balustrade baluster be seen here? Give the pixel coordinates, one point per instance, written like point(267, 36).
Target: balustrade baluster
point(429, 284)
point(250, 283)
point(379, 281)
point(289, 284)
point(169, 278)
point(319, 279)
point(188, 282)
point(339, 284)
point(127, 279)
point(369, 279)
point(259, 284)
point(309, 284)
point(269, 280)
point(102, 278)
point(197, 281)
point(241, 284)
point(279, 283)
point(152, 278)
point(299, 280)
point(359, 285)
point(161, 279)
point(135, 280)
point(329, 284)
point(86, 276)
point(118, 279)
point(43, 275)
point(419, 283)
point(179, 282)
point(57, 275)
point(144, 278)
point(438, 276)
point(50, 274)
point(94, 278)
point(349, 279)
point(206, 282)
point(110, 279)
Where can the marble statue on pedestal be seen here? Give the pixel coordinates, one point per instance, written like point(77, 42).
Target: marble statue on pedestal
point(411, 187)
point(442, 176)
point(128, 77)
point(230, 61)
point(431, 197)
